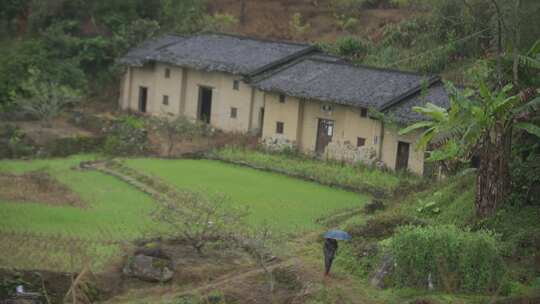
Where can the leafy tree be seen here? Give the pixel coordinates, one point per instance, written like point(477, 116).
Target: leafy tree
point(134, 33)
point(262, 244)
point(44, 99)
point(478, 123)
point(14, 9)
point(182, 16)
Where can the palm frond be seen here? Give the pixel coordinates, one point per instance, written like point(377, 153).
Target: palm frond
point(529, 62)
point(433, 111)
point(529, 127)
point(530, 106)
point(416, 126)
point(534, 50)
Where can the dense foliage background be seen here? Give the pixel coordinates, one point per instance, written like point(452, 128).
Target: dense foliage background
point(75, 43)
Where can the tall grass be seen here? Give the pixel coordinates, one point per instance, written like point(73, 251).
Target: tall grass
point(357, 177)
point(447, 258)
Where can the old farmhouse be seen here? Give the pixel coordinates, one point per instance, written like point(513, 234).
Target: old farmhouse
point(288, 93)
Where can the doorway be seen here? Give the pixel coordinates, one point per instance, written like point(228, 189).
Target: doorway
point(261, 121)
point(205, 104)
point(143, 99)
point(325, 132)
point(402, 157)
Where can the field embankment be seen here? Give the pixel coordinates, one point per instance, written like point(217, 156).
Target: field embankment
point(359, 178)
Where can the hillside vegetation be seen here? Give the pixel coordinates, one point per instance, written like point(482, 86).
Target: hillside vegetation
point(468, 233)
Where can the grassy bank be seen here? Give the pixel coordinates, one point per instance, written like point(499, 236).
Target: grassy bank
point(515, 230)
point(354, 177)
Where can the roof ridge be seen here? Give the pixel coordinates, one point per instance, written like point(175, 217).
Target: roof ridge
point(299, 59)
point(281, 64)
point(398, 99)
point(347, 62)
point(170, 44)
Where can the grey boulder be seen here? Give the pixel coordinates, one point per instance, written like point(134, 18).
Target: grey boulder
point(148, 268)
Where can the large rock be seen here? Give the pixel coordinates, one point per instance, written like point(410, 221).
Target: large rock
point(385, 269)
point(149, 268)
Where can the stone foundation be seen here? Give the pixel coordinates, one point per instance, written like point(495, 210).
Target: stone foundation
point(278, 144)
point(351, 154)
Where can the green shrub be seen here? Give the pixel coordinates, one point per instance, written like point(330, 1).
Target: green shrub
point(126, 136)
point(406, 33)
point(345, 23)
point(73, 145)
point(13, 143)
point(454, 260)
point(351, 47)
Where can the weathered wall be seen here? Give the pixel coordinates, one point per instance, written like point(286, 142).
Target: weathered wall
point(223, 98)
point(301, 124)
point(286, 112)
point(390, 145)
point(182, 87)
point(301, 120)
point(300, 117)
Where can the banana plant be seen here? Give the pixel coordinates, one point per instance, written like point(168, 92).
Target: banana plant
point(479, 123)
point(457, 130)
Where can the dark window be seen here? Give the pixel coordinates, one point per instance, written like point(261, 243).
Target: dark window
point(281, 98)
point(166, 100)
point(363, 113)
point(360, 142)
point(236, 85)
point(167, 73)
point(234, 112)
point(279, 127)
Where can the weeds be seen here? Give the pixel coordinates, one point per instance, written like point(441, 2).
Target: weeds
point(353, 177)
point(446, 258)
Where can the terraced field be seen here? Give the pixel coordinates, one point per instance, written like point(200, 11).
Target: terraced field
point(107, 211)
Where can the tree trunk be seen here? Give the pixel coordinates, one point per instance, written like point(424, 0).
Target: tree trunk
point(22, 22)
point(493, 177)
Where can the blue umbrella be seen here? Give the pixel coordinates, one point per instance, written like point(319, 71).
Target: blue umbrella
point(338, 235)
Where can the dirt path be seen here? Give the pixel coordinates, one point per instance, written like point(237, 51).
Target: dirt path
point(168, 293)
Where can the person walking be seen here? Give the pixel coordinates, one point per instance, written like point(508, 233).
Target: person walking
point(330, 249)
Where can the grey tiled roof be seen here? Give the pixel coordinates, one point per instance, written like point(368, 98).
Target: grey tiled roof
point(219, 52)
point(402, 112)
point(141, 54)
point(296, 70)
point(340, 82)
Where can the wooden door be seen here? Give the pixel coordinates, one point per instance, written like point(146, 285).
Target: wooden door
point(402, 157)
point(325, 132)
